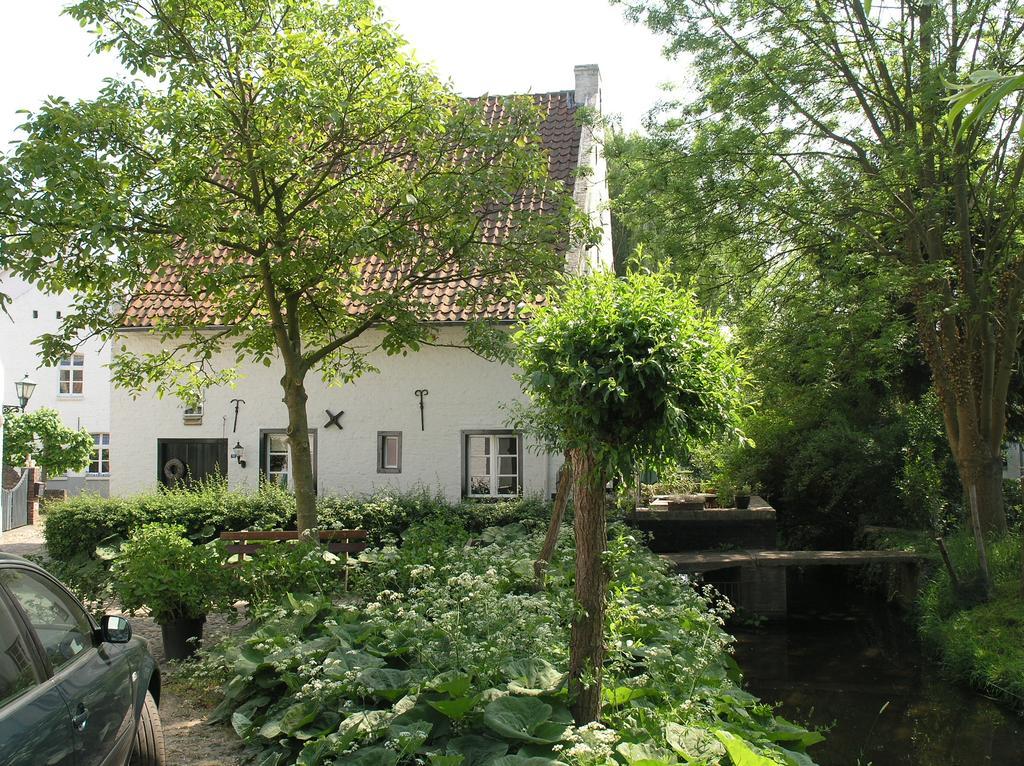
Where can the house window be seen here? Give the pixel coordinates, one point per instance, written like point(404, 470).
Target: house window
point(389, 452)
point(72, 375)
point(100, 463)
point(494, 464)
point(276, 457)
point(193, 415)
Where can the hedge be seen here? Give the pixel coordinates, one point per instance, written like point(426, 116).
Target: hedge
point(76, 527)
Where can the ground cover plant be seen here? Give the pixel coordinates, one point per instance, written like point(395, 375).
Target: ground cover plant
point(445, 654)
point(979, 643)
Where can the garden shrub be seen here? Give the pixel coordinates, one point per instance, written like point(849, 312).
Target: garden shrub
point(76, 527)
point(297, 567)
point(449, 657)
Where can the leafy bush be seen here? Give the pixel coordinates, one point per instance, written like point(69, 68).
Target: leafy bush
point(298, 567)
point(160, 569)
point(78, 526)
point(979, 643)
point(450, 657)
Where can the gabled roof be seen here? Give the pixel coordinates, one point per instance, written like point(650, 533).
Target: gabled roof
point(560, 134)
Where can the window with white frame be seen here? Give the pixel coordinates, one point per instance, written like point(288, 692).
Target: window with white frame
point(276, 457)
point(389, 452)
point(99, 465)
point(493, 465)
point(279, 460)
point(72, 375)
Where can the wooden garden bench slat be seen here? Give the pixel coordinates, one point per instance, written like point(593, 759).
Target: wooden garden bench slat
point(336, 541)
point(325, 534)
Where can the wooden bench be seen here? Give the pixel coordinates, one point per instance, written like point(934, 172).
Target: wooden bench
point(344, 541)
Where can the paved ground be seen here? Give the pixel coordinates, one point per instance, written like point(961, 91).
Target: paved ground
point(190, 740)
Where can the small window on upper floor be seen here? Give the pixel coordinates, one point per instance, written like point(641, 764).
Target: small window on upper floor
point(193, 415)
point(72, 375)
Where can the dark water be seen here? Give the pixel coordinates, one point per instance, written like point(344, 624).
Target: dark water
point(846, 661)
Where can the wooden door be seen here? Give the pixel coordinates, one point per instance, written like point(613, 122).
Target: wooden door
point(182, 461)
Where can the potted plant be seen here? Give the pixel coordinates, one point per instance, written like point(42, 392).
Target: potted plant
point(180, 583)
point(743, 493)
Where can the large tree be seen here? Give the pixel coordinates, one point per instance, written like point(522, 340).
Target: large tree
point(622, 373)
point(283, 179)
point(823, 126)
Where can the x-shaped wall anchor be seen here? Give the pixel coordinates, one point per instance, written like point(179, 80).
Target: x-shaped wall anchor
point(335, 420)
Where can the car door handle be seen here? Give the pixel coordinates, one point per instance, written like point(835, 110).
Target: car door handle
point(81, 718)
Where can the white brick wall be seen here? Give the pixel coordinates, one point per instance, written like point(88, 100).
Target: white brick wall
point(465, 394)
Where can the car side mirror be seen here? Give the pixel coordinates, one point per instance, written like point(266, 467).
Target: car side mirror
point(115, 629)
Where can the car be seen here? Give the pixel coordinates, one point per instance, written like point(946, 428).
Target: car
point(73, 692)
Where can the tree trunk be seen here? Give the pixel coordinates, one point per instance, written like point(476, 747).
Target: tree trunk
point(302, 457)
point(554, 527)
point(586, 650)
point(982, 477)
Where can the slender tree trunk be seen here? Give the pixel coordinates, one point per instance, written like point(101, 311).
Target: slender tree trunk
point(301, 455)
point(586, 650)
point(554, 527)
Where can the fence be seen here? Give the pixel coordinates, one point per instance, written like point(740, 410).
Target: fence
point(14, 504)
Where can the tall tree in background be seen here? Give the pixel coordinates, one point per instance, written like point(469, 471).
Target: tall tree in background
point(621, 373)
point(822, 125)
point(286, 178)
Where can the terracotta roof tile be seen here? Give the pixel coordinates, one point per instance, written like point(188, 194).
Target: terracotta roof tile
point(163, 295)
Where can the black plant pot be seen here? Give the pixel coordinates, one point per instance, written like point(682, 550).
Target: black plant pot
point(742, 501)
point(182, 637)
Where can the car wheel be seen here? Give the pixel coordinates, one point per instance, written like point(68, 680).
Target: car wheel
point(149, 737)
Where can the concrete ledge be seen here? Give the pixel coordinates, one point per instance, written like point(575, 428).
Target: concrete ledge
point(704, 561)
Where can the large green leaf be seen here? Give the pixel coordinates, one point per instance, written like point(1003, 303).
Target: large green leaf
point(645, 754)
point(533, 676)
point(386, 682)
point(455, 708)
point(298, 715)
point(523, 760)
point(476, 750)
point(372, 756)
point(694, 744)
point(518, 718)
point(740, 752)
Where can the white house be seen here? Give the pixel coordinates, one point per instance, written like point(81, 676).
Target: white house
point(433, 419)
point(78, 388)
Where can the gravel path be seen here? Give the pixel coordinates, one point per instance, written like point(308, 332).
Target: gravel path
point(189, 739)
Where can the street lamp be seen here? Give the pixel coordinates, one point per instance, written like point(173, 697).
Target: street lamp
point(24, 389)
point(238, 453)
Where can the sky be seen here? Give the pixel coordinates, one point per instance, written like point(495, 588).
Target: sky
point(482, 46)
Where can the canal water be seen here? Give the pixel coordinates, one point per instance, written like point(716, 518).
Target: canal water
point(846, 664)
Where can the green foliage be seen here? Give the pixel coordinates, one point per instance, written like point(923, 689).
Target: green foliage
point(449, 656)
point(42, 436)
point(330, 112)
point(162, 570)
point(801, 150)
point(78, 526)
point(630, 368)
point(300, 567)
point(979, 643)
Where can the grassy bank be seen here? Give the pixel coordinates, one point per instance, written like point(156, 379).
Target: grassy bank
point(978, 643)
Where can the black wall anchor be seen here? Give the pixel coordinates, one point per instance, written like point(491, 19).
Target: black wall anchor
point(236, 402)
point(421, 392)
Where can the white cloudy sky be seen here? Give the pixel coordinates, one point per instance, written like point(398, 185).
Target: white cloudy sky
point(482, 45)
